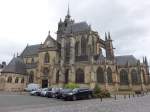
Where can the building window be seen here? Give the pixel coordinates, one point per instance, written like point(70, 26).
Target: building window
point(83, 45)
point(100, 75)
point(57, 77)
point(67, 54)
point(124, 77)
point(134, 77)
point(76, 48)
point(22, 80)
point(46, 58)
point(32, 60)
point(109, 75)
point(79, 76)
point(46, 71)
point(31, 77)
point(9, 80)
point(16, 80)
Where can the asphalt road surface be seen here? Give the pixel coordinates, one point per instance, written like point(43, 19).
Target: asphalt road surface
point(26, 103)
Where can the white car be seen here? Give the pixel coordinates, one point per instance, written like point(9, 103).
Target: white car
point(32, 87)
point(33, 93)
point(44, 91)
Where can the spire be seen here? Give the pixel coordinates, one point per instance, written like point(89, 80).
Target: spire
point(109, 36)
point(105, 36)
point(143, 60)
point(146, 62)
point(68, 12)
point(49, 32)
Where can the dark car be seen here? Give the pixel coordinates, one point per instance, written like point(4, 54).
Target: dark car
point(78, 93)
point(61, 92)
point(52, 93)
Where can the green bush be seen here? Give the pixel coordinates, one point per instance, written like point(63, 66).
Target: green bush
point(71, 86)
point(97, 92)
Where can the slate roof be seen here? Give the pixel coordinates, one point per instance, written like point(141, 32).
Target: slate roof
point(122, 60)
point(31, 50)
point(77, 27)
point(16, 65)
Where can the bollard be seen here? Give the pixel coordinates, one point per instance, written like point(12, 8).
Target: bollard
point(101, 98)
point(115, 97)
point(129, 96)
point(133, 95)
point(124, 96)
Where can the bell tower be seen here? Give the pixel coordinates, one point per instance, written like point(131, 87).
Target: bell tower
point(109, 47)
point(62, 25)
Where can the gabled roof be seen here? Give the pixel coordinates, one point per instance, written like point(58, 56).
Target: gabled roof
point(16, 65)
point(77, 27)
point(31, 50)
point(123, 60)
point(51, 41)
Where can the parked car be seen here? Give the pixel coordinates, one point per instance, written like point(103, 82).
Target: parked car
point(36, 92)
point(61, 92)
point(52, 93)
point(33, 93)
point(44, 91)
point(32, 87)
point(78, 93)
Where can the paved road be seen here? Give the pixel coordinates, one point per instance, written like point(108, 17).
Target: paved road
point(26, 103)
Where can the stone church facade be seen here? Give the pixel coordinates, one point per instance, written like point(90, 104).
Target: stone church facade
point(76, 56)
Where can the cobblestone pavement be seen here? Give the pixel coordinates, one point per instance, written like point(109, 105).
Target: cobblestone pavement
point(25, 103)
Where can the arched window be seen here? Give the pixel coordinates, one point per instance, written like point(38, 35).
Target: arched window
point(31, 77)
point(143, 74)
point(22, 80)
point(32, 60)
point(46, 58)
point(124, 77)
point(67, 53)
point(109, 75)
point(79, 76)
point(16, 80)
point(134, 77)
point(76, 48)
point(100, 75)
point(46, 71)
point(83, 45)
point(57, 77)
point(9, 80)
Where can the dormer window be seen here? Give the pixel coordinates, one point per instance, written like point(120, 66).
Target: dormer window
point(46, 58)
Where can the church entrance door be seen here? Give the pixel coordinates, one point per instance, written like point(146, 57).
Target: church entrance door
point(44, 83)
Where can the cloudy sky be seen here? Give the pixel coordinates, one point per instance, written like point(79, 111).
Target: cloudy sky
point(25, 22)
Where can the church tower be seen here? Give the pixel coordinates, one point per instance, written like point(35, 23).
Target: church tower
point(62, 25)
point(109, 47)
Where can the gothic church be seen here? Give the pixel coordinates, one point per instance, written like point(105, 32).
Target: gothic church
point(75, 56)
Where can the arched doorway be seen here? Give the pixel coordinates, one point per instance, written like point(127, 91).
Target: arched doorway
point(44, 83)
point(79, 76)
